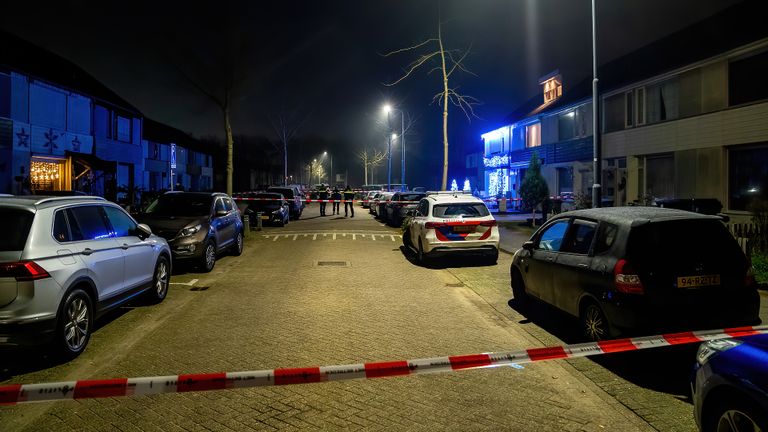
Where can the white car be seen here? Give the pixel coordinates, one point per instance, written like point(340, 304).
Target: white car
point(447, 223)
point(367, 198)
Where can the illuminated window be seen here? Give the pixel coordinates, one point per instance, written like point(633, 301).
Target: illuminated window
point(553, 89)
point(47, 174)
point(533, 135)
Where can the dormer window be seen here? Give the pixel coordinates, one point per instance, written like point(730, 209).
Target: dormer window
point(553, 86)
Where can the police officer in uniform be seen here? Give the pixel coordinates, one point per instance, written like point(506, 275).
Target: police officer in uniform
point(349, 205)
point(323, 196)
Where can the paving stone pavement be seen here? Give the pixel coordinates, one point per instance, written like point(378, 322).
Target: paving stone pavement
point(274, 307)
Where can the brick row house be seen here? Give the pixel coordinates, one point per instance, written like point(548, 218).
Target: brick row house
point(61, 130)
point(684, 117)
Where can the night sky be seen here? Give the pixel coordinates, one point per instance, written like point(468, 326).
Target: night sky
point(323, 58)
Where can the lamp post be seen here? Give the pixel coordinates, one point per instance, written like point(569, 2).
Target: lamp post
point(597, 167)
point(388, 109)
point(331, 178)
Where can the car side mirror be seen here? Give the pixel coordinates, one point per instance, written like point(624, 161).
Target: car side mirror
point(528, 246)
point(221, 213)
point(143, 231)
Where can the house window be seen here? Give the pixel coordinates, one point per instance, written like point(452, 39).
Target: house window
point(662, 101)
point(640, 106)
point(564, 180)
point(629, 109)
point(533, 135)
point(748, 79)
point(613, 113)
point(123, 128)
point(553, 89)
point(747, 176)
point(566, 126)
point(660, 176)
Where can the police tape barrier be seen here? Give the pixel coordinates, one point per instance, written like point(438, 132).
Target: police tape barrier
point(85, 389)
point(313, 200)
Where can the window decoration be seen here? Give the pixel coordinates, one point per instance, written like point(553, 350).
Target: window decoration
point(496, 161)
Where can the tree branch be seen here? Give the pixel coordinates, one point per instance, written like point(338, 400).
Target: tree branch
point(411, 48)
point(414, 66)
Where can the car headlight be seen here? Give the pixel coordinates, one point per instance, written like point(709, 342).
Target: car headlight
point(186, 232)
point(708, 349)
point(274, 212)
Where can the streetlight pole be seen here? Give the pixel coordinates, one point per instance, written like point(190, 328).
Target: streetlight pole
point(402, 150)
point(597, 167)
point(389, 153)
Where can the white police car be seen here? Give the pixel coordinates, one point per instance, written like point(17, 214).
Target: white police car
point(452, 222)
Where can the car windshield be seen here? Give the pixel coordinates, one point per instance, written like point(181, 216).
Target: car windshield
point(466, 210)
point(411, 197)
point(16, 224)
point(181, 205)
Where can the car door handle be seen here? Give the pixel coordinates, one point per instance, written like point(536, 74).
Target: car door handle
point(551, 259)
point(125, 246)
point(87, 251)
point(584, 265)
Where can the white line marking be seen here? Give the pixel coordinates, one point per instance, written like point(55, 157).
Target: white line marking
point(334, 236)
point(373, 237)
point(354, 236)
point(314, 236)
point(344, 234)
point(305, 235)
point(294, 236)
point(275, 239)
point(392, 237)
point(190, 283)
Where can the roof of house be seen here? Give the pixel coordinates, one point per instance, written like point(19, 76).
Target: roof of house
point(24, 57)
point(726, 30)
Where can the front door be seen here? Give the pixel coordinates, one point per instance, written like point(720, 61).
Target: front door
point(539, 278)
point(574, 266)
point(139, 263)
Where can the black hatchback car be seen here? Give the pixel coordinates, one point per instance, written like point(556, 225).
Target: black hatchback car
point(197, 225)
point(627, 269)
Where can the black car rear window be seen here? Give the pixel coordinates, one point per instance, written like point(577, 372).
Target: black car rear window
point(181, 205)
point(678, 241)
point(412, 197)
point(286, 192)
point(16, 224)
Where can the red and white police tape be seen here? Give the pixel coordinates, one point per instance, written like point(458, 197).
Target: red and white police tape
point(84, 389)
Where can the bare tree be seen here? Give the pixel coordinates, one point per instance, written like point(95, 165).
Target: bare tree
point(315, 168)
point(371, 159)
point(447, 62)
point(285, 125)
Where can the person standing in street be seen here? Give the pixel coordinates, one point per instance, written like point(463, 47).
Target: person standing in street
point(349, 204)
point(336, 197)
point(323, 196)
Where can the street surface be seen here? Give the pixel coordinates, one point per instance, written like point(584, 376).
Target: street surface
point(334, 290)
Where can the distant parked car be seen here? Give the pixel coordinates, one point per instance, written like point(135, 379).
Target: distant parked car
point(374, 204)
point(294, 198)
point(399, 205)
point(627, 269)
point(730, 385)
point(64, 261)
point(450, 224)
point(197, 225)
point(367, 199)
point(273, 207)
point(381, 205)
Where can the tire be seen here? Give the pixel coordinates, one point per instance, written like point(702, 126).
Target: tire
point(734, 410)
point(208, 260)
point(518, 292)
point(407, 239)
point(421, 256)
point(73, 329)
point(237, 248)
point(160, 281)
point(594, 324)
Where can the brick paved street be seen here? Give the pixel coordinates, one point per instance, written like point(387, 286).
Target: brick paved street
point(276, 306)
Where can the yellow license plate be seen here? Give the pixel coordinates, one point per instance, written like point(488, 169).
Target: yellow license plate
point(698, 281)
point(265, 218)
point(464, 229)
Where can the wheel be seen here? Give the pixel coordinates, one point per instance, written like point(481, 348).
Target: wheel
point(734, 414)
point(594, 324)
point(73, 330)
point(283, 222)
point(237, 248)
point(422, 257)
point(160, 280)
point(518, 291)
point(407, 238)
point(208, 260)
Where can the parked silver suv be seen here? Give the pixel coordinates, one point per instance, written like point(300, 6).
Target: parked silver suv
point(64, 261)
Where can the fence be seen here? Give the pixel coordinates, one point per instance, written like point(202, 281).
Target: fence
point(749, 235)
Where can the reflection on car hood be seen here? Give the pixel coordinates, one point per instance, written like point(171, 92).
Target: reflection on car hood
point(170, 223)
point(758, 341)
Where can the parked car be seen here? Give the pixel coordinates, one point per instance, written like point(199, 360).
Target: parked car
point(452, 223)
point(294, 198)
point(65, 261)
point(367, 199)
point(730, 384)
point(374, 204)
point(627, 269)
point(399, 205)
point(197, 225)
point(273, 207)
point(381, 204)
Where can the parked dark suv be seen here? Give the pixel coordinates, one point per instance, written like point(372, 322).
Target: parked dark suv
point(294, 198)
point(197, 225)
point(627, 269)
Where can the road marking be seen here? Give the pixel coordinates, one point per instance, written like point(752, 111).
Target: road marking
point(275, 239)
point(294, 236)
point(190, 283)
point(334, 236)
point(354, 236)
point(392, 237)
point(373, 237)
point(314, 236)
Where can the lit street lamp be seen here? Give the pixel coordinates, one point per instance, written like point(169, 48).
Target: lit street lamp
point(332, 179)
point(388, 109)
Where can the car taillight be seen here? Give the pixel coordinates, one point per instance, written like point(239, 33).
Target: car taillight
point(627, 280)
point(23, 271)
point(490, 223)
